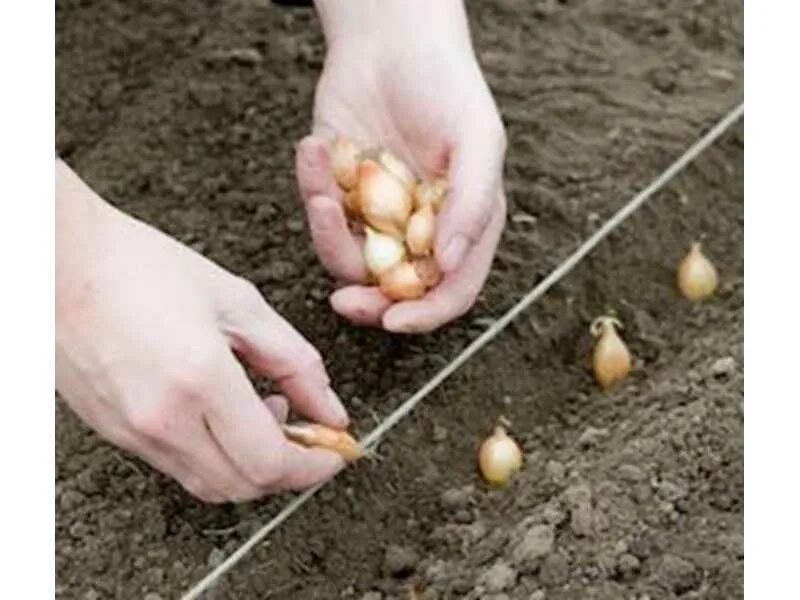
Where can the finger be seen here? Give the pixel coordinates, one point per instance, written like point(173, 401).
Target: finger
point(336, 246)
point(304, 467)
point(475, 176)
point(279, 407)
point(314, 173)
point(361, 304)
point(199, 448)
point(276, 349)
point(251, 438)
point(456, 293)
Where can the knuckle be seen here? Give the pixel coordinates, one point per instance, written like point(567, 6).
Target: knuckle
point(195, 375)
point(151, 421)
point(247, 296)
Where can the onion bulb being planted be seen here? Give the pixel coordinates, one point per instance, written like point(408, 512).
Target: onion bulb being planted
point(421, 231)
point(385, 202)
point(499, 457)
point(382, 252)
point(314, 435)
point(697, 277)
point(612, 360)
point(344, 162)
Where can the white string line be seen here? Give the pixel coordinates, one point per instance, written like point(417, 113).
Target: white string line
point(374, 437)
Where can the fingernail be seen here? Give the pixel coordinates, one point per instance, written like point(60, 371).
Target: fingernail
point(454, 252)
point(336, 408)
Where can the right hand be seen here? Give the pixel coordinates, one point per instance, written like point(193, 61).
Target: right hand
point(146, 331)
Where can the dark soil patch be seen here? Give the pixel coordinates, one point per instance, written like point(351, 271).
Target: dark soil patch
point(161, 112)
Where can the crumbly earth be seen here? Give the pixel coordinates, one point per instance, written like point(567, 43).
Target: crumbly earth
point(185, 114)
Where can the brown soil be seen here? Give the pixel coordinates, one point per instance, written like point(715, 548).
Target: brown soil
point(635, 493)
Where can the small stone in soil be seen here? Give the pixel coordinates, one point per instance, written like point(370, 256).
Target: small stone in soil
point(556, 470)
point(439, 433)
point(372, 596)
point(554, 570)
point(723, 367)
point(456, 498)
point(215, 557)
point(628, 565)
point(643, 545)
point(537, 595)
point(153, 596)
point(677, 574)
point(71, 499)
point(500, 576)
point(400, 561)
point(537, 543)
point(631, 473)
point(592, 436)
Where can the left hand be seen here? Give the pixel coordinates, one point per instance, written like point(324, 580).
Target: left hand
point(402, 74)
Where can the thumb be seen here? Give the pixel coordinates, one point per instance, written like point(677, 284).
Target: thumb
point(277, 350)
point(475, 174)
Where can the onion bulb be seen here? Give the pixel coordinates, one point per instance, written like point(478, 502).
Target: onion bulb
point(351, 204)
point(427, 270)
point(697, 277)
point(382, 252)
point(402, 282)
point(385, 202)
point(499, 457)
point(430, 193)
point(612, 360)
point(344, 162)
point(420, 231)
point(314, 435)
point(398, 168)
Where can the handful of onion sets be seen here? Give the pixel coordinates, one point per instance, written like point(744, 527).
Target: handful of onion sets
point(398, 214)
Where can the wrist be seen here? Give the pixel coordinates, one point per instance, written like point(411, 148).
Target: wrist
point(386, 20)
point(80, 217)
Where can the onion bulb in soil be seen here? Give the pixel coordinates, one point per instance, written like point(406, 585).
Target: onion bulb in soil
point(344, 162)
point(611, 361)
point(430, 193)
point(382, 252)
point(314, 435)
point(499, 457)
point(421, 231)
point(385, 202)
point(697, 277)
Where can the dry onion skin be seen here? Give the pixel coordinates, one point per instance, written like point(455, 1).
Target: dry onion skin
point(499, 458)
point(697, 276)
point(421, 231)
point(314, 435)
point(398, 213)
point(611, 360)
point(344, 162)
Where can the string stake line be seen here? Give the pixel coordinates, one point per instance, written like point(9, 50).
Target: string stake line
point(371, 440)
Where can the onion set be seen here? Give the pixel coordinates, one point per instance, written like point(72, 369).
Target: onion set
point(314, 435)
point(398, 213)
point(611, 360)
point(499, 458)
point(697, 277)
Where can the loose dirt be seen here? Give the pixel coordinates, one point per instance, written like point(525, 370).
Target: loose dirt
point(185, 114)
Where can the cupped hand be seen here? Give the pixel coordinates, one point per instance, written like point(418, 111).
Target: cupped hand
point(146, 331)
point(402, 75)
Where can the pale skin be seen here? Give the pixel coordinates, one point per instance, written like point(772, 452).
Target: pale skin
point(146, 328)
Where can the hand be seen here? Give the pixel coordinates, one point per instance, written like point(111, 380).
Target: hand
point(146, 331)
point(401, 74)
